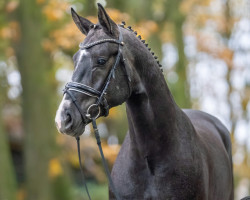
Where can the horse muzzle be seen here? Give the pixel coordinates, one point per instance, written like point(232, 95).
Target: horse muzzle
point(68, 121)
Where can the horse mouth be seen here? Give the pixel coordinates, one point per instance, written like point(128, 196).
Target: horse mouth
point(75, 131)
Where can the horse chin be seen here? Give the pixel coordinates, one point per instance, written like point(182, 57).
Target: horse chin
point(76, 132)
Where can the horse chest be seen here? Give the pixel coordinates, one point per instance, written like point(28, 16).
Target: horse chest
point(134, 184)
point(134, 180)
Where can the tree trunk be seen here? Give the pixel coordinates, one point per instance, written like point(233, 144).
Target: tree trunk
point(8, 184)
point(37, 103)
point(181, 88)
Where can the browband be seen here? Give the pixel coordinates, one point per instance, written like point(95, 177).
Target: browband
point(85, 89)
point(87, 46)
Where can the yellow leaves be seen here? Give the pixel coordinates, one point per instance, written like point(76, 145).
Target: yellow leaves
point(11, 31)
point(186, 6)
point(21, 194)
point(48, 45)
point(59, 139)
point(11, 6)
point(15, 30)
point(68, 37)
point(111, 152)
point(117, 16)
point(226, 54)
point(146, 28)
point(88, 147)
point(113, 112)
point(116, 113)
point(39, 2)
point(5, 33)
point(9, 52)
point(242, 170)
point(246, 99)
point(73, 159)
point(205, 2)
point(55, 168)
point(92, 19)
point(54, 10)
point(53, 15)
point(167, 33)
point(208, 42)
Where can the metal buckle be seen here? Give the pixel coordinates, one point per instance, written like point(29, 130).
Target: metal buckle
point(88, 114)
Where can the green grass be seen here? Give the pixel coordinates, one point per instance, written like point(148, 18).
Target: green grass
point(97, 191)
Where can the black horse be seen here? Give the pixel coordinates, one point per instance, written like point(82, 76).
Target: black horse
point(168, 153)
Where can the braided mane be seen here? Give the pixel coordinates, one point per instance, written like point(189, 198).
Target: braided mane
point(144, 42)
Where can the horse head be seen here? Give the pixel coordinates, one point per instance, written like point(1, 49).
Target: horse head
point(100, 77)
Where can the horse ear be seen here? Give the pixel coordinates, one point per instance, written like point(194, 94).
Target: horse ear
point(106, 22)
point(83, 24)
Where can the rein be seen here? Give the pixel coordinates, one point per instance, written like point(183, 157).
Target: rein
point(101, 102)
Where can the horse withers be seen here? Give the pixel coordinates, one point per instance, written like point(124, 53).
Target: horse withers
point(168, 153)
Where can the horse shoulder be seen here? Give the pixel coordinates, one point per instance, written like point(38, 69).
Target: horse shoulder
point(126, 171)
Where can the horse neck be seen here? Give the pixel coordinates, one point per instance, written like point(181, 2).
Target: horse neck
point(152, 112)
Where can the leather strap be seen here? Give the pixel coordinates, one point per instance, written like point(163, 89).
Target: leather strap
point(101, 100)
point(76, 104)
point(82, 87)
point(87, 46)
point(80, 163)
point(98, 141)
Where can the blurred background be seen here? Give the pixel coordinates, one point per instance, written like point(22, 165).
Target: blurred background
point(203, 45)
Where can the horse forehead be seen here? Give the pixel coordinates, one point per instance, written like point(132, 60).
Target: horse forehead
point(82, 52)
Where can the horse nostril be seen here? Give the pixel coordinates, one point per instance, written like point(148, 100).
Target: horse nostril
point(68, 118)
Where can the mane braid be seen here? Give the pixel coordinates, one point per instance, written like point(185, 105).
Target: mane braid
point(143, 41)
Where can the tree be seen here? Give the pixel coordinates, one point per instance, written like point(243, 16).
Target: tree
point(38, 105)
point(8, 184)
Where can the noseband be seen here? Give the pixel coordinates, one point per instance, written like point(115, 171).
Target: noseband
point(101, 102)
point(89, 91)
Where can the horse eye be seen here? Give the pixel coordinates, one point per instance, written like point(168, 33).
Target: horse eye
point(101, 61)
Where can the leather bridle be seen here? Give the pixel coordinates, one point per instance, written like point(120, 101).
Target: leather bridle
point(101, 102)
point(92, 92)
